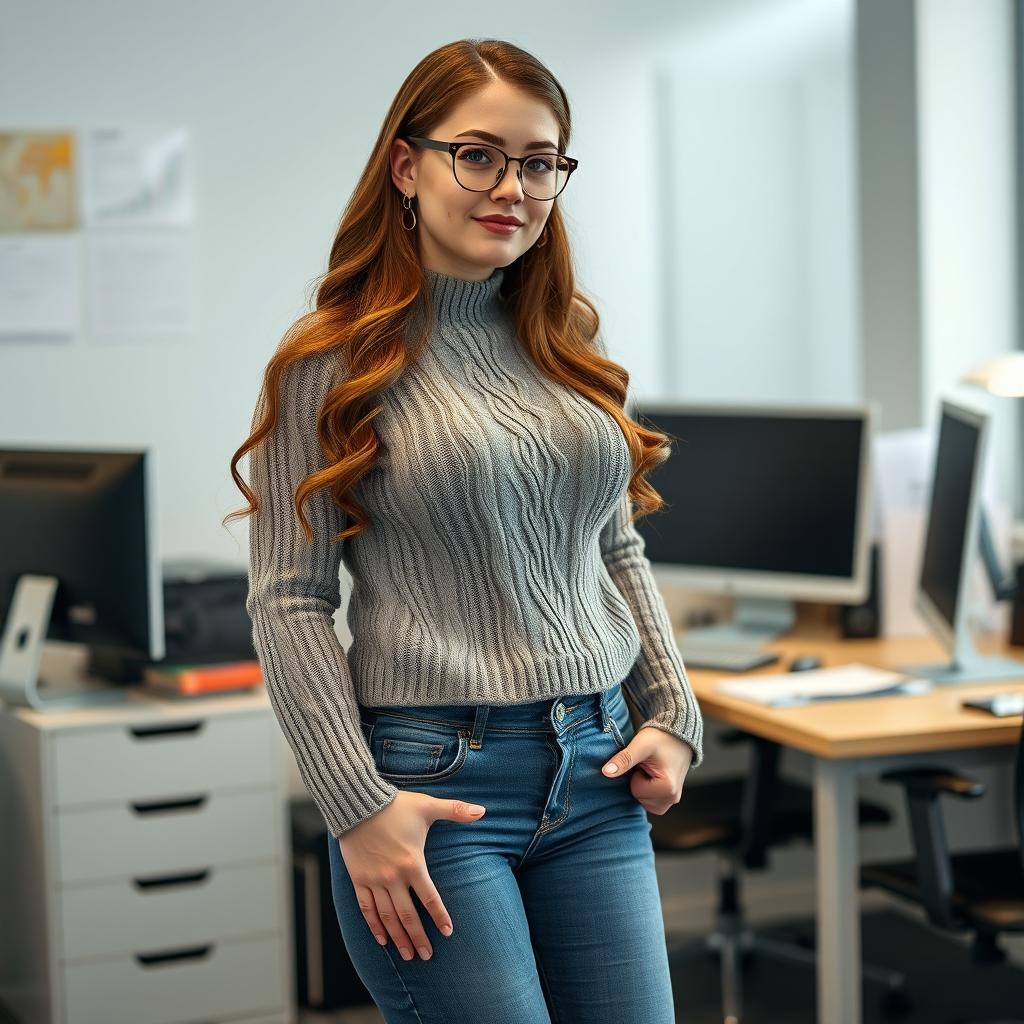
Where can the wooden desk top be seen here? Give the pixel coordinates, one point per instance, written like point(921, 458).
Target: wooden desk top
point(866, 727)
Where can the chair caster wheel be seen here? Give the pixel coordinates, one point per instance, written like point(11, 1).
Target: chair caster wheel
point(895, 1003)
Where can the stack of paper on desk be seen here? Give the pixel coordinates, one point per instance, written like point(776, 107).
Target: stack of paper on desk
point(820, 684)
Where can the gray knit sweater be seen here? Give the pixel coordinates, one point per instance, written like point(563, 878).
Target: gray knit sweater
point(499, 566)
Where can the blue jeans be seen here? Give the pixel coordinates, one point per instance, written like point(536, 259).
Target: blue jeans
point(552, 893)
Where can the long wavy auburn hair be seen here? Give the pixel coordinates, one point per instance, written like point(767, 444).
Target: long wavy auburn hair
point(366, 300)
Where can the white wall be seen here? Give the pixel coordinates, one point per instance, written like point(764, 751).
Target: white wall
point(760, 238)
point(831, 309)
point(967, 203)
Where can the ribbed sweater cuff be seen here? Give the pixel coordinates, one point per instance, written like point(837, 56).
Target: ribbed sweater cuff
point(657, 681)
point(333, 759)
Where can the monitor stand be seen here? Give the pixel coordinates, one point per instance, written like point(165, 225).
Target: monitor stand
point(755, 621)
point(32, 675)
point(968, 666)
point(53, 694)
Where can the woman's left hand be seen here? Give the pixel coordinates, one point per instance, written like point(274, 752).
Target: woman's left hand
point(663, 760)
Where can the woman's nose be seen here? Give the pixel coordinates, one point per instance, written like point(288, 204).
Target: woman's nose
point(509, 183)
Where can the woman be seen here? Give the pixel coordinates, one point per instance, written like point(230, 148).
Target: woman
point(448, 411)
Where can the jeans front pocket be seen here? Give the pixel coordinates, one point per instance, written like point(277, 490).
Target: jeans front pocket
point(408, 748)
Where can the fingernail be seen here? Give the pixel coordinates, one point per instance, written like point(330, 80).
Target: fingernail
point(446, 930)
point(406, 954)
point(382, 939)
point(424, 952)
point(476, 809)
point(611, 769)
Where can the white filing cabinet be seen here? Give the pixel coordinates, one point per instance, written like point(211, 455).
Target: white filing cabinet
point(144, 863)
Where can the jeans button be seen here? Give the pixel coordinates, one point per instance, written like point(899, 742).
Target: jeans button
point(560, 712)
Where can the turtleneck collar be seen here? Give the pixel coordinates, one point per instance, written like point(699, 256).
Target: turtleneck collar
point(458, 301)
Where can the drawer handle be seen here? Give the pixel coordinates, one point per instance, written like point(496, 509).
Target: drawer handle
point(192, 953)
point(195, 878)
point(159, 806)
point(148, 732)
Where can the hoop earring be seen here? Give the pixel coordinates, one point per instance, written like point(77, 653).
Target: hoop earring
point(543, 240)
point(407, 205)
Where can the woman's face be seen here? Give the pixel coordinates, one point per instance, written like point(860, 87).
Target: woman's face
point(451, 239)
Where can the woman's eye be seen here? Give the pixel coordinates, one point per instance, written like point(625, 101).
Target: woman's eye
point(471, 152)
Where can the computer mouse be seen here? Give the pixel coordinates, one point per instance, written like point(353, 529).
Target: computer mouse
point(804, 663)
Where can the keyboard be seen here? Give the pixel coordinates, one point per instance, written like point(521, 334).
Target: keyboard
point(726, 659)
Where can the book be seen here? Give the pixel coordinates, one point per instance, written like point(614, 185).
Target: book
point(197, 680)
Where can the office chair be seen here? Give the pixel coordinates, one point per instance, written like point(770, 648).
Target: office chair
point(741, 818)
point(980, 892)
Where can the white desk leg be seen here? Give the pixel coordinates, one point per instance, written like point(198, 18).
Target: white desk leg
point(838, 924)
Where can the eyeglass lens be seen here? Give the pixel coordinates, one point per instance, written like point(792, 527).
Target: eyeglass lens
point(478, 167)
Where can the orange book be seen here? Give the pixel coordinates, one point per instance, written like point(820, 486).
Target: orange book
point(197, 680)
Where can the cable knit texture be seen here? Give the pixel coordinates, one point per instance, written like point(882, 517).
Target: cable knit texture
point(499, 566)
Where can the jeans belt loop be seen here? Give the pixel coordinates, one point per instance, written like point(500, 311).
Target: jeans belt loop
point(476, 740)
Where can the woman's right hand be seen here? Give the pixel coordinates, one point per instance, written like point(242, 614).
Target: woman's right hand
point(384, 857)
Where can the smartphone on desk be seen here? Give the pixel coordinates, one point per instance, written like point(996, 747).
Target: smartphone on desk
point(1002, 705)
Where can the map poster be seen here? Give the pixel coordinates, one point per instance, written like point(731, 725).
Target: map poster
point(37, 181)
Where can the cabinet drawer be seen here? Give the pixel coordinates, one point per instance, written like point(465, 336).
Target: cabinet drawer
point(190, 831)
point(205, 982)
point(180, 908)
point(148, 758)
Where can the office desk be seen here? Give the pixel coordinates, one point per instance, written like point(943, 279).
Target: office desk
point(854, 738)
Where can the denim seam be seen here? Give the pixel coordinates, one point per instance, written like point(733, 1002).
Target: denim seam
point(617, 733)
point(575, 725)
point(548, 826)
point(401, 981)
point(559, 758)
point(555, 1017)
point(540, 828)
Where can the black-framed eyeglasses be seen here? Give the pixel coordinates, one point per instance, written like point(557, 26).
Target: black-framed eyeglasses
point(479, 166)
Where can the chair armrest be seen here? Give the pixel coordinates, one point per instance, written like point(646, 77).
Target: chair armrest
point(923, 787)
point(933, 781)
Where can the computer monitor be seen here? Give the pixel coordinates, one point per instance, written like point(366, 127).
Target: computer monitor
point(79, 564)
point(950, 547)
point(768, 503)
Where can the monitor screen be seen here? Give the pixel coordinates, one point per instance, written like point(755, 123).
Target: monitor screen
point(949, 513)
point(85, 518)
point(768, 491)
